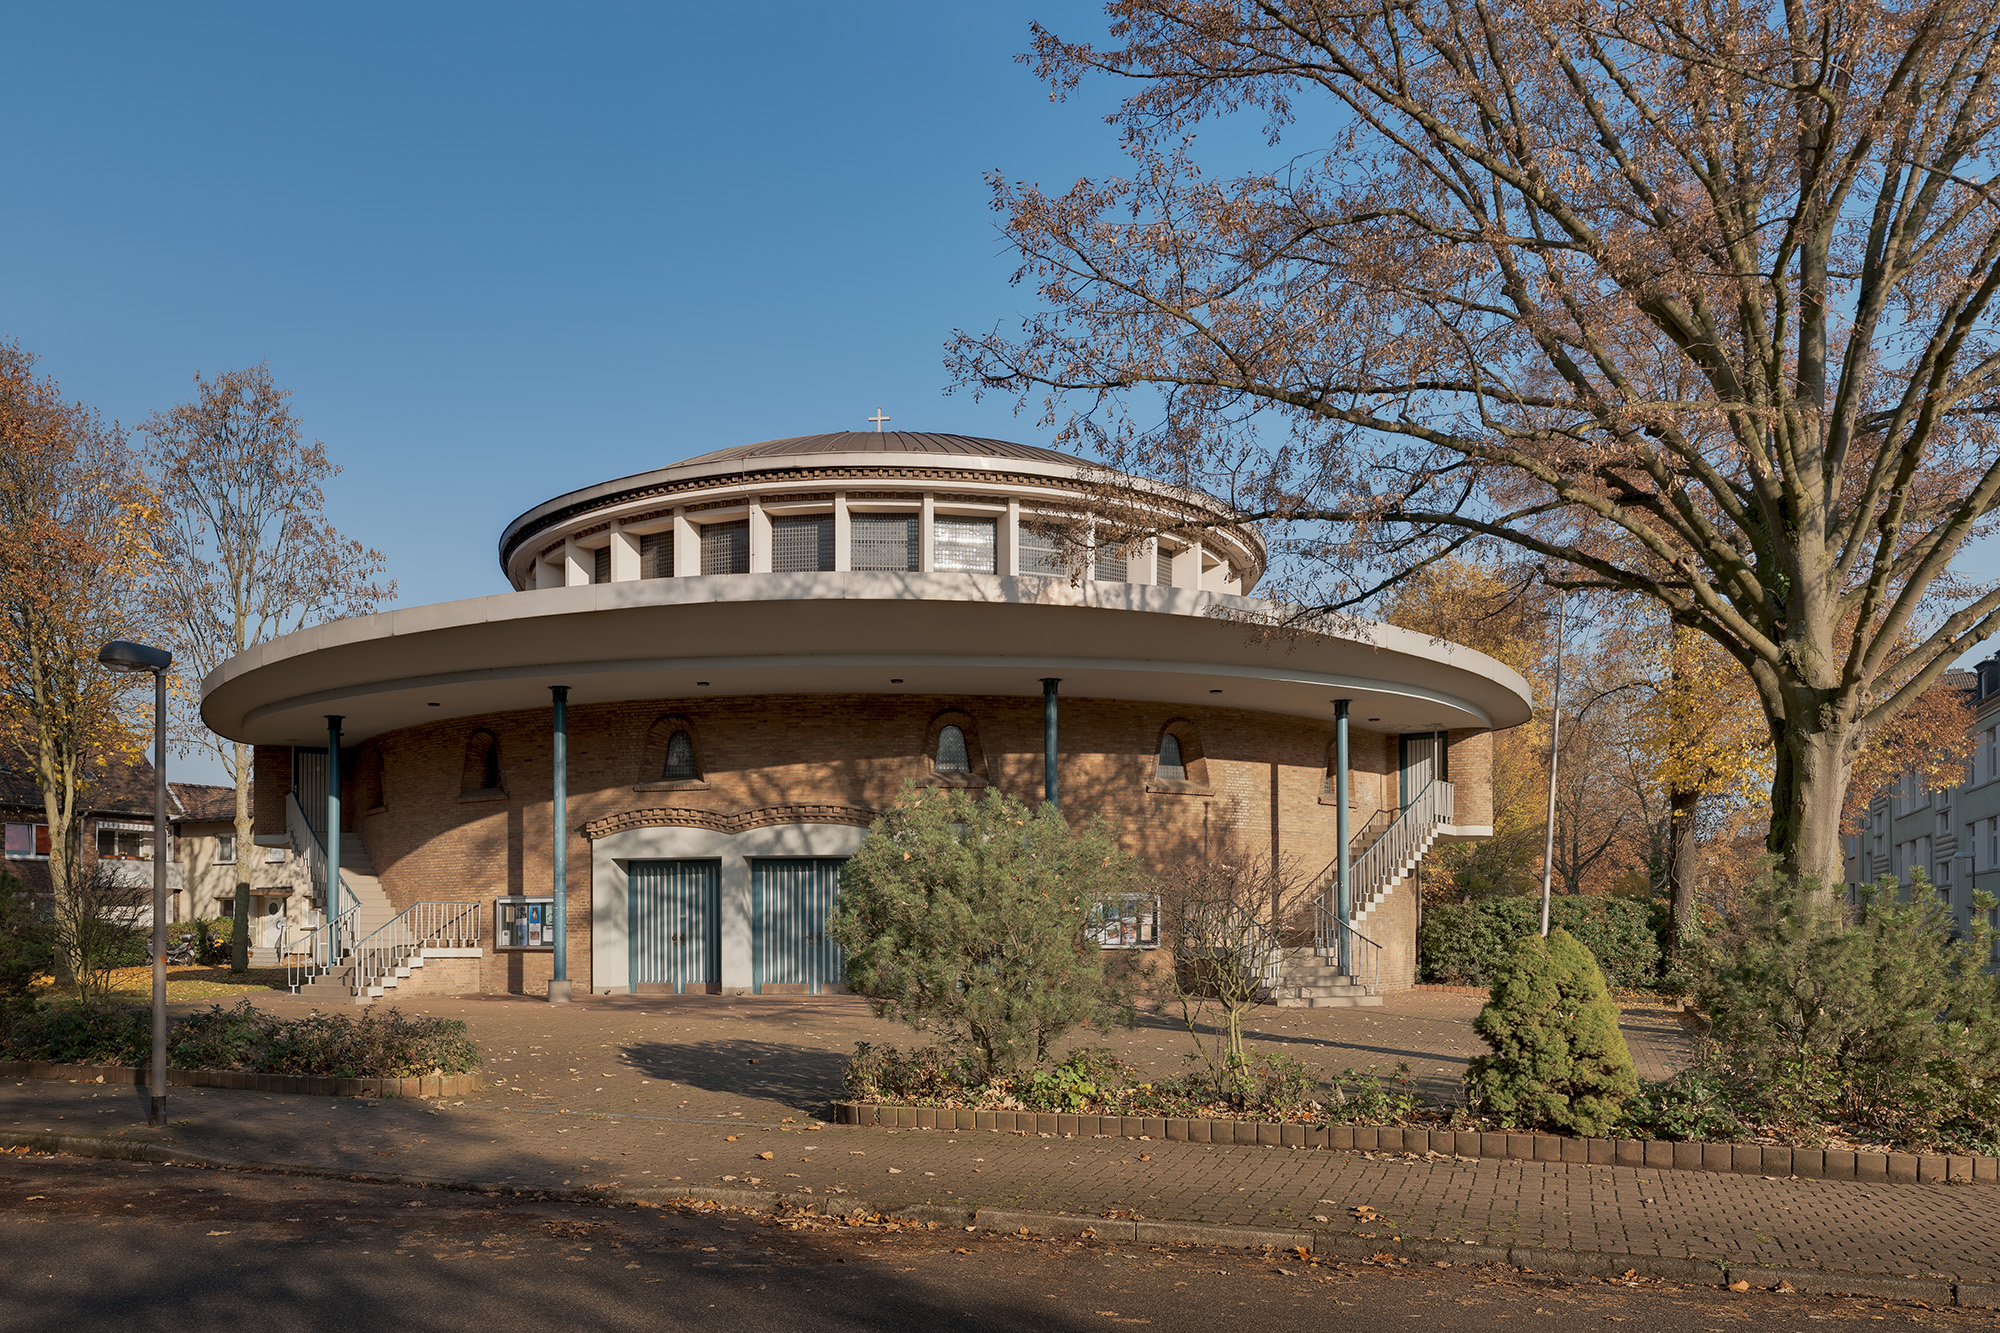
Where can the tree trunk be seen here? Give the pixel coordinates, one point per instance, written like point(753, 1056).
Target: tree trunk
point(1807, 790)
point(1683, 906)
point(246, 865)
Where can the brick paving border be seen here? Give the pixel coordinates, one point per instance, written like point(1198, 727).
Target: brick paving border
point(244, 1080)
point(1747, 1159)
point(1345, 1246)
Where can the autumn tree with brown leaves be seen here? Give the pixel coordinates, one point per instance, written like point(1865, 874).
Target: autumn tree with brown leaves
point(1691, 303)
point(76, 527)
point(247, 552)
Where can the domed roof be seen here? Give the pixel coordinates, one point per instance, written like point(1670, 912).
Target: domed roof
point(886, 442)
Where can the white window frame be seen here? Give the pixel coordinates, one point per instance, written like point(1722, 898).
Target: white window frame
point(225, 849)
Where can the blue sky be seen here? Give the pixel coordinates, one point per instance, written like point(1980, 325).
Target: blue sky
point(500, 250)
point(503, 250)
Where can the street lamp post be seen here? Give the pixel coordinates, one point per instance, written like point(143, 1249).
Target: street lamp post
point(121, 655)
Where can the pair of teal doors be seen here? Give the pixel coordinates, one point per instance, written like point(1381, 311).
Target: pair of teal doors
point(675, 924)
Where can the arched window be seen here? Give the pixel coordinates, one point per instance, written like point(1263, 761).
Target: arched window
point(671, 756)
point(680, 765)
point(1179, 763)
point(482, 765)
point(951, 744)
point(1331, 783)
point(952, 756)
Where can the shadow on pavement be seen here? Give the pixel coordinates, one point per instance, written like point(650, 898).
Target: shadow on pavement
point(804, 1078)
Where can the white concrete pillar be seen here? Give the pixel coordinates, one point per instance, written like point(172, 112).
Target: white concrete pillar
point(687, 546)
point(1139, 565)
point(577, 564)
point(548, 573)
point(760, 537)
point(1008, 557)
point(843, 535)
point(738, 971)
point(1187, 566)
point(624, 556)
point(926, 526)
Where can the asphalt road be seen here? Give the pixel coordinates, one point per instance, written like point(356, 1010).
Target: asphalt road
point(87, 1245)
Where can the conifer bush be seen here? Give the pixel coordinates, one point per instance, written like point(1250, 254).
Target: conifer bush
point(1880, 1022)
point(1559, 1060)
point(968, 916)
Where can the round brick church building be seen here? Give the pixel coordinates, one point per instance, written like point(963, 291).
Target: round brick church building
point(640, 768)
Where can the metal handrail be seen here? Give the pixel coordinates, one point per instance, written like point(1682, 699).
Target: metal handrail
point(313, 952)
point(1407, 836)
point(426, 925)
point(1363, 955)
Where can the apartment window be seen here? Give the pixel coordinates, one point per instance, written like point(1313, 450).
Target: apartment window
point(275, 856)
point(656, 555)
point(802, 544)
point(225, 849)
point(125, 842)
point(27, 842)
point(885, 541)
point(600, 565)
point(969, 545)
point(725, 547)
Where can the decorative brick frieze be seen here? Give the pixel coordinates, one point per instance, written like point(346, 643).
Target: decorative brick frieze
point(762, 817)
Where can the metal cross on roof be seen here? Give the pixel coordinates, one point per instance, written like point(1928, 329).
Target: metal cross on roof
point(878, 419)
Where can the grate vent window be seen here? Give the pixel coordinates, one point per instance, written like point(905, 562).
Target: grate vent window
point(725, 547)
point(885, 541)
point(967, 544)
point(802, 544)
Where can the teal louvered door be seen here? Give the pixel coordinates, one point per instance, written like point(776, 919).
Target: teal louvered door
point(675, 925)
point(794, 900)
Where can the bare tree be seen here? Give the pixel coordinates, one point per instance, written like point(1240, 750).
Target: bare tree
point(247, 552)
point(1691, 302)
point(76, 527)
point(1222, 919)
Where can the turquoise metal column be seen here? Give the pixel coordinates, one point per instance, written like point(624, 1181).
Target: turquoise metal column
point(1049, 792)
point(333, 721)
point(1343, 892)
point(559, 988)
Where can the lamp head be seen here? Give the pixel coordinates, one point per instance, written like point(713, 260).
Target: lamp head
point(123, 655)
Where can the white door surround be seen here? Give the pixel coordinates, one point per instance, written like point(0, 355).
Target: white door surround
point(610, 947)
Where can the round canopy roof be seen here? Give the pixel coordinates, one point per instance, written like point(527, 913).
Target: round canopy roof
point(861, 633)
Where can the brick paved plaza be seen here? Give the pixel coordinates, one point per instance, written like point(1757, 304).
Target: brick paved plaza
point(691, 1093)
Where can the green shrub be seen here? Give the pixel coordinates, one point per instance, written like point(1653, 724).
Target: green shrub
point(218, 1038)
point(1468, 943)
point(381, 1044)
point(1083, 1079)
point(886, 1074)
point(1559, 1060)
point(82, 1034)
point(1694, 1106)
point(376, 1044)
point(27, 946)
point(1364, 1097)
point(967, 915)
point(1880, 1022)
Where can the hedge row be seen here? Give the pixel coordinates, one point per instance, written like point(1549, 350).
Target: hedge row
point(1465, 944)
point(373, 1044)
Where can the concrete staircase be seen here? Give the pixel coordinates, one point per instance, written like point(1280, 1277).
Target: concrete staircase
point(1308, 981)
point(374, 910)
point(1368, 899)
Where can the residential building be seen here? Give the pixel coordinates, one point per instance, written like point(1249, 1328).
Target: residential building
point(1951, 834)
